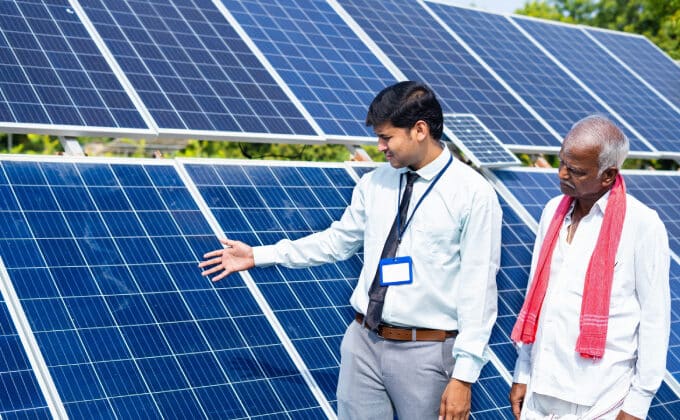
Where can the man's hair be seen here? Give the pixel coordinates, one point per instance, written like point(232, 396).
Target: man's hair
point(405, 103)
point(599, 130)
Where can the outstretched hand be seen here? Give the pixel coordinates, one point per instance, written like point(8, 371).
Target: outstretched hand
point(235, 256)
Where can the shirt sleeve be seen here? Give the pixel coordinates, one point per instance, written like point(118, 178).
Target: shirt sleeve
point(339, 242)
point(477, 296)
point(652, 262)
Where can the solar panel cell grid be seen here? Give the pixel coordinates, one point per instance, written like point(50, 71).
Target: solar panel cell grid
point(192, 70)
point(422, 50)
point(320, 58)
point(265, 203)
point(54, 74)
point(125, 322)
point(644, 111)
point(646, 59)
point(557, 98)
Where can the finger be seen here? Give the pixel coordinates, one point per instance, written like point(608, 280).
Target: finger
point(212, 270)
point(228, 242)
point(215, 253)
point(220, 276)
point(210, 262)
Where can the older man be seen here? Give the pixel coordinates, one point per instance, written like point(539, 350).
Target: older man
point(595, 324)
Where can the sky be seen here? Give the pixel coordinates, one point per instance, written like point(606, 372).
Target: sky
point(502, 6)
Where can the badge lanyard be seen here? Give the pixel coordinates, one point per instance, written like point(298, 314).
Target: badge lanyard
point(400, 230)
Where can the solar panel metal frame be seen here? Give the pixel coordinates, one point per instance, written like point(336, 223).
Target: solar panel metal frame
point(37, 364)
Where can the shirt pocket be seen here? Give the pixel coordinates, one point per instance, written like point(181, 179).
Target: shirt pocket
point(434, 244)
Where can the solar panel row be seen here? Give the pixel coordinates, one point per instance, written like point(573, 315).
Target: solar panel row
point(305, 71)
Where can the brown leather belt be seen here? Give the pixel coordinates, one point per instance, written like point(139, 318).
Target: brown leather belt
point(391, 332)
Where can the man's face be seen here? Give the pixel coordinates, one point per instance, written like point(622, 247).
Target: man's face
point(578, 172)
point(398, 144)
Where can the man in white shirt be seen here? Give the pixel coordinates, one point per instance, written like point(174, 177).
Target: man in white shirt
point(595, 324)
point(426, 298)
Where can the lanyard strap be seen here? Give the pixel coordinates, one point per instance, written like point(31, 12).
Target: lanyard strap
point(427, 191)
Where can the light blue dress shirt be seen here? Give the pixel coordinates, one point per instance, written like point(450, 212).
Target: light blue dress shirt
point(453, 238)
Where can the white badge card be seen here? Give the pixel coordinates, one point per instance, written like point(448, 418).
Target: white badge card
point(395, 271)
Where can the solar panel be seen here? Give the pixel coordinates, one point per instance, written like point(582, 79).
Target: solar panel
point(54, 79)
point(644, 58)
point(262, 203)
point(103, 257)
point(555, 96)
point(646, 112)
point(194, 73)
point(320, 58)
point(20, 392)
point(419, 47)
point(478, 142)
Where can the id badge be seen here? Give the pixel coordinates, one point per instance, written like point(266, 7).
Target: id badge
point(395, 271)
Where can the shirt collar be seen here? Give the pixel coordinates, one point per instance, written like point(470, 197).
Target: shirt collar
point(599, 206)
point(430, 170)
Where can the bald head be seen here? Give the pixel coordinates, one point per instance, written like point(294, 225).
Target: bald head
point(599, 132)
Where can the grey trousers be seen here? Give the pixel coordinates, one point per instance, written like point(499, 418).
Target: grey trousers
point(379, 377)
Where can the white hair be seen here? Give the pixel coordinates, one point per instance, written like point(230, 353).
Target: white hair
point(598, 130)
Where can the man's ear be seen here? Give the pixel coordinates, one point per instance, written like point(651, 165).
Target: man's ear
point(421, 130)
point(609, 176)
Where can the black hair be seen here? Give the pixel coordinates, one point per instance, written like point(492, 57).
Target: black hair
point(405, 103)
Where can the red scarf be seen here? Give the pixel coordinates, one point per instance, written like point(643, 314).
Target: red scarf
point(598, 281)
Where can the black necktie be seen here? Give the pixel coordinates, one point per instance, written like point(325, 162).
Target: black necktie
point(376, 293)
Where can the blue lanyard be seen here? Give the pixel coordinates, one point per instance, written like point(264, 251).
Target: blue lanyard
point(427, 191)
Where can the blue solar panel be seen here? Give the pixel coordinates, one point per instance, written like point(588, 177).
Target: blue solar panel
point(518, 242)
point(20, 394)
point(260, 204)
point(645, 59)
point(103, 258)
point(192, 70)
point(557, 98)
point(53, 74)
point(643, 109)
point(423, 50)
point(477, 142)
point(320, 58)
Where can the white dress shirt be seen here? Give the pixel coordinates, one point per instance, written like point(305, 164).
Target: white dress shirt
point(453, 239)
point(634, 360)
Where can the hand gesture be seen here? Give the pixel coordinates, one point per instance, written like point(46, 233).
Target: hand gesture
point(235, 256)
